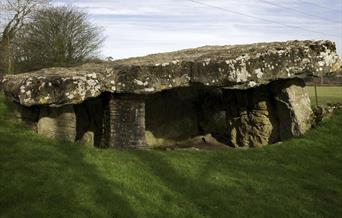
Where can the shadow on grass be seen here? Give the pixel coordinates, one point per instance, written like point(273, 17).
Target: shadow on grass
point(206, 198)
point(52, 179)
point(291, 179)
point(223, 187)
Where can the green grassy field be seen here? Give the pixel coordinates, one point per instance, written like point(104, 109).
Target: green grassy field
point(325, 94)
point(45, 178)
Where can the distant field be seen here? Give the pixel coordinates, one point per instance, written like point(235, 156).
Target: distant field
point(325, 94)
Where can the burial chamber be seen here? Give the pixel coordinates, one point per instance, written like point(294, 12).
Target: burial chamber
point(241, 96)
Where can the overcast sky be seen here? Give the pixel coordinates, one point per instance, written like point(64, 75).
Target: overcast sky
point(140, 27)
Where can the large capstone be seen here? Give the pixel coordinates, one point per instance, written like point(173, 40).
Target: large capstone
point(237, 67)
point(242, 96)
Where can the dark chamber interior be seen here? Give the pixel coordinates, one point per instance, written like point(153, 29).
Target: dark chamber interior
point(90, 118)
point(174, 115)
point(182, 113)
point(232, 117)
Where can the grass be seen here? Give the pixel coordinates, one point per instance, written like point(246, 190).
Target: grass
point(325, 94)
point(45, 178)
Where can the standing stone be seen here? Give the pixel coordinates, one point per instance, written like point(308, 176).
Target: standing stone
point(293, 107)
point(57, 123)
point(251, 118)
point(87, 138)
point(124, 122)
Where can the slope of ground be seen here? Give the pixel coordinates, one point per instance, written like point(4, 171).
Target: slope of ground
point(44, 178)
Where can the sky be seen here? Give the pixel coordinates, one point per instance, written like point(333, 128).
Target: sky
point(140, 27)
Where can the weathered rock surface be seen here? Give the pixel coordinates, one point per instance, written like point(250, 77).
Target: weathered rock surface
point(293, 108)
point(251, 118)
point(233, 67)
point(57, 123)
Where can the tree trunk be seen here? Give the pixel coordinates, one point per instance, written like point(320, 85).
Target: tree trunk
point(5, 66)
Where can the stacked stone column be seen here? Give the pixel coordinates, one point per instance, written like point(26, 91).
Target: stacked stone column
point(124, 122)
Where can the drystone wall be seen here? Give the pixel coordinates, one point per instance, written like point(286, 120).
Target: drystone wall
point(124, 124)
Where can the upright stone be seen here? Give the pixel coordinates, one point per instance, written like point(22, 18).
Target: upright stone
point(57, 123)
point(251, 118)
point(124, 122)
point(293, 107)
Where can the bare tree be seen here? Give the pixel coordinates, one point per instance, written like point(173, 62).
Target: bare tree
point(13, 16)
point(57, 36)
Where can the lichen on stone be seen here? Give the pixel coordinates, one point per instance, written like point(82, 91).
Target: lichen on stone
point(235, 67)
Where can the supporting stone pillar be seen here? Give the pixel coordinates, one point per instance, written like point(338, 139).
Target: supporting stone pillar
point(293, 107)
point(57, 123)
point(124, 122)
point(251, 117)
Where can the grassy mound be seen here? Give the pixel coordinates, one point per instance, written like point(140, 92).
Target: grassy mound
point(46, 178)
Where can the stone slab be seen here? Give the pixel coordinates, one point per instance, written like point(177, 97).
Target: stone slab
point(231, 67)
